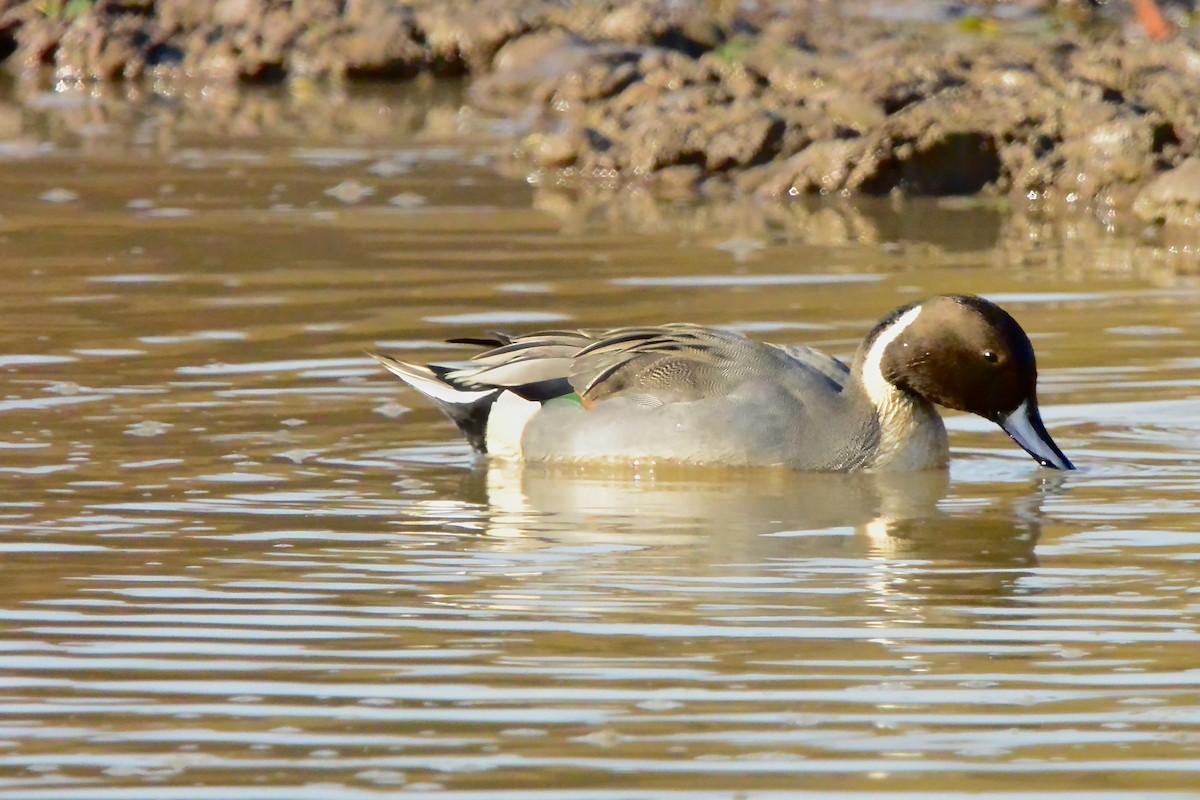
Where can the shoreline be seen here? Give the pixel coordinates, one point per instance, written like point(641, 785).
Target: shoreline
point(1013, 102)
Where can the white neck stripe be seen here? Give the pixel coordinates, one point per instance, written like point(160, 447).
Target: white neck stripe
point(878, 388)
point(911, 435)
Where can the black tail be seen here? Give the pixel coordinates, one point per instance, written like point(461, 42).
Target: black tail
point(471, 417)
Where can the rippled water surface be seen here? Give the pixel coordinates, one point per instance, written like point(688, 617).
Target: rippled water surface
point(237, 560)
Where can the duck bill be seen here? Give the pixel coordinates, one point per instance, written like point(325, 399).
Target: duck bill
point(1024, 426)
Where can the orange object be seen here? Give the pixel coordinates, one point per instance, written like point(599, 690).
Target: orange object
point(1152, 20)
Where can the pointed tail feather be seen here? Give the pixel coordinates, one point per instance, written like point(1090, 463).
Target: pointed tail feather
point(469, 410)
point(428, 382)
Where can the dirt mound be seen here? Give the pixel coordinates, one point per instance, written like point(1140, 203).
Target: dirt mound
point(775, 99)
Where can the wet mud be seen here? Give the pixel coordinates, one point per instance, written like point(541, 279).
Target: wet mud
point(1047, 104)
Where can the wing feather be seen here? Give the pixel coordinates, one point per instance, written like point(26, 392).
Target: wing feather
point(651, 366)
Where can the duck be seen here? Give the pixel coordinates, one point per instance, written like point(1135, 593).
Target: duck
point(693, 395)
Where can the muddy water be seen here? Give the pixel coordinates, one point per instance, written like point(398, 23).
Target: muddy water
point(237, 561)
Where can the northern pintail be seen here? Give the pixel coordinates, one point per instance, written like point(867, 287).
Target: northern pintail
point(688, 394)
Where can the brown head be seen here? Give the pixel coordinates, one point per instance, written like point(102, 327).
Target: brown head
point(968, 354)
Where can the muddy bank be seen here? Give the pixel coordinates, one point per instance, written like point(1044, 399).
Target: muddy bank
point(774, 100)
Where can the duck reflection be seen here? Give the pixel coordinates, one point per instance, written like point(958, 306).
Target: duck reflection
point(756, 508)
point(972, 547)
point(750, 517)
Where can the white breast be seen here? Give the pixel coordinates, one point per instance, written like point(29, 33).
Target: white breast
point(506, 425)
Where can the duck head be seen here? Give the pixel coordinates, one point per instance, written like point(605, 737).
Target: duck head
point(968, 354)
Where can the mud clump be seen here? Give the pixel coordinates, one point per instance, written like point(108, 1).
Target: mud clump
point(259, 40)
point(774, 99)
point(1173, 196)
point(801, 109)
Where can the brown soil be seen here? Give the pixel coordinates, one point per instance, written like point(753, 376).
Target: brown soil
point(923, 97)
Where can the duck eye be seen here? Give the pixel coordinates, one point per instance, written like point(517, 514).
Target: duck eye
point(990, 356)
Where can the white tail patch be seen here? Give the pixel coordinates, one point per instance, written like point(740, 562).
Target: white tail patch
point(506, 424)
point(427, 383)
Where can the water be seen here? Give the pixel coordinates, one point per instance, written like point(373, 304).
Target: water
point(237, 560)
